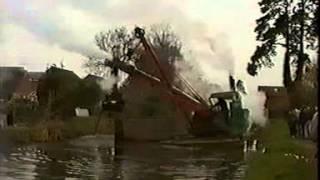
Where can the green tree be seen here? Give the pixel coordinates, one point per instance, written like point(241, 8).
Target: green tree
point(61, 91)
point(87, 94)
point(307, 92)
point(273, 30)
point(305, 36)
point(53, 89)
point(288, 24)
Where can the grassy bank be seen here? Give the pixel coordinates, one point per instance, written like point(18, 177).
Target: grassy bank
point(55, 130)
point(274, 165)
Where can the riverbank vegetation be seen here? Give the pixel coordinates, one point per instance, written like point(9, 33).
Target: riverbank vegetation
point(56, 130)
point(280, 160)
point(52, 117)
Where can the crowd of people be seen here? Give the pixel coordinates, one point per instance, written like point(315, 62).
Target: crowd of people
point(303, 122)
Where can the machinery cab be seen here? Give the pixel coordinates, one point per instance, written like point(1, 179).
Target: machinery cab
point(229, 105)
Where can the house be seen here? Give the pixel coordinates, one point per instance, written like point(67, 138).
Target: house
point(9, 80)
point(15, 83)
point(27, 87)
point(277, 100)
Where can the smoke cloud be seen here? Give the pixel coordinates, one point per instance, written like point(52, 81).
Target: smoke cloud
point(192, 73)
point(222, 53)
point(107, 84)
point(209, 69)
point(254, 101)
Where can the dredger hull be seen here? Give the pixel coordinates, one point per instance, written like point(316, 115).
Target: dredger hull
point(154, 129)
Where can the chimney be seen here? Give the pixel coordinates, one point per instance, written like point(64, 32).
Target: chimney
point(232, 83)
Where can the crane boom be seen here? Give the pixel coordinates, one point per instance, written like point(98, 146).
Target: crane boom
point(140, 34)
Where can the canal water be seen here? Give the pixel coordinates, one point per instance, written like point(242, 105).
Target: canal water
point(88, 158)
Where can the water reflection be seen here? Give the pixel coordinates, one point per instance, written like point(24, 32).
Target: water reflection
point(135, 161)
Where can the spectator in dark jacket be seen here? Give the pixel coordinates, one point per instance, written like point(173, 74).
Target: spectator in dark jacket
point(293, 121)
point(305, 116)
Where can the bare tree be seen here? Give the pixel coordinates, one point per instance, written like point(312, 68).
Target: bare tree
point(166, 42)
point(167, 46)
point(118, 45)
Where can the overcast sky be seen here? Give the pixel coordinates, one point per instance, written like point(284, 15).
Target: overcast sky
point(34, 33)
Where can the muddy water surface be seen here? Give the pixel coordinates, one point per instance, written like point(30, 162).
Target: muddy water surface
point(90, 158)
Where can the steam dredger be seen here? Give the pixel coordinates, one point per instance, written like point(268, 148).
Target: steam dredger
point(221, 114)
